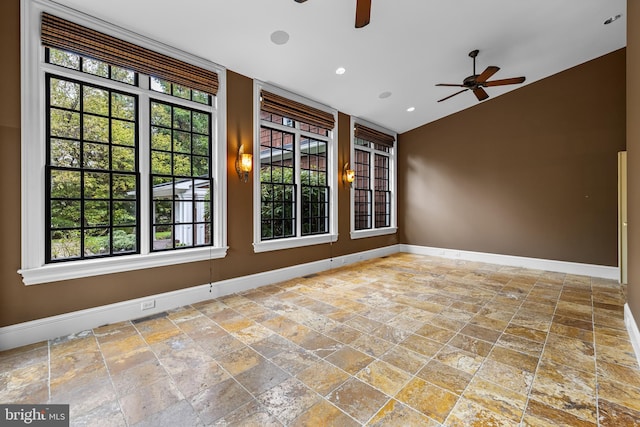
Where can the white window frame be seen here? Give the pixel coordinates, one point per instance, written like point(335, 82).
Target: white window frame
point(332, 178)
point(393, 225)
point(34, 270)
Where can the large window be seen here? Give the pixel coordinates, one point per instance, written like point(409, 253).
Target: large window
point(122, 165)
point(296, 204)
point(92, 171)
point(373, 190)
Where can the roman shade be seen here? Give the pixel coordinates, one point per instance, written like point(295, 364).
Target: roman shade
point(276, 104)
point(62, 34)
point(373, 135)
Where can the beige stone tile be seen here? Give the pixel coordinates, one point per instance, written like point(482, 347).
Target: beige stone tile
point(445, 376)
point(566, 388)
point(324, 414)
point(511, 377)
point(427, 398)
point(538, 414)
point(395, 413)
point(467, 413)
point(383, 376)
point(459, 359)
point(349, 359)
point(421, 345)
point(498, 399)
point(357, 399)
point(407, 360)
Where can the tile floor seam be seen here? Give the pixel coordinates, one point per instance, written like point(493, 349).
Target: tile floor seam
point(493, 346)
point(113, 385)
point(540, 361)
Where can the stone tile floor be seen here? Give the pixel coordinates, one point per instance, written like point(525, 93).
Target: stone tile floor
point(405, 340)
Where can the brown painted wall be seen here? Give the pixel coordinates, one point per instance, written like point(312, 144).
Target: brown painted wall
point(633, 155)
point(20, 303)
point(530, 173)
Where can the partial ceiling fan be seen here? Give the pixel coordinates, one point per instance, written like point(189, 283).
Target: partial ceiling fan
point(476, 82)
point(363, 12)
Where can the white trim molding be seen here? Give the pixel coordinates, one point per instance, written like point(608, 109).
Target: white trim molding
point(632, 329)
point(70, 323)
point(601, 271)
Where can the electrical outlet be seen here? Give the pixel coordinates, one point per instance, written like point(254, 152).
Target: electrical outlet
point(148, 305)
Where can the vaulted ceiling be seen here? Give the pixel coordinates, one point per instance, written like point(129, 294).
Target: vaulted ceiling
point(391, 64)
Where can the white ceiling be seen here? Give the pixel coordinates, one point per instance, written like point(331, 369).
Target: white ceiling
point(409, 46)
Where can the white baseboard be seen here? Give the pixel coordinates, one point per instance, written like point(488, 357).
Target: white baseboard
point(69, 323)
point(632, 329)
point(601, 271)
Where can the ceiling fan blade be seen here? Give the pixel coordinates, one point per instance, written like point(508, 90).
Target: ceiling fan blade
point(490, 71)
point(480, 93)
point(511, 81)
point(450, 84)
point(363, 12)
point(301, 1)
point(450, 96)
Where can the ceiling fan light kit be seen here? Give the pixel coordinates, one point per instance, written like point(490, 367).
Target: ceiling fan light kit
point(477, 82)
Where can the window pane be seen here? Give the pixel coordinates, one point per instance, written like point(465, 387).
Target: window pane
point(96, 213)
point(96, 185)
point(96, 156)
point(96, 101)
point(181, 119)
point(96, 128)
point(173, 196)
point(64, 94)
point(123, 133)
point(65, 244)
point(123, 106)
point(161, 114)
point(160, 138)
point(64, 124)
point(64, 152)
point(123, 159)
point(95, 67)
point(82, 212)
point(65, 184)
point(123, 75)
point(64, 59)
point(124, 186)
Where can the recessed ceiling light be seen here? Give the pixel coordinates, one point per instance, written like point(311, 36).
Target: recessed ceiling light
point(384, 95)
point(279, 37)
point(340, 71)
point(410, 109)
point(612, 19)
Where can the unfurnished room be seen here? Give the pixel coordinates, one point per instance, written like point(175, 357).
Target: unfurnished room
point(320, 213)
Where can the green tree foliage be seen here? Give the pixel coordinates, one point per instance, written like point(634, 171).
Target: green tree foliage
point(278, 201)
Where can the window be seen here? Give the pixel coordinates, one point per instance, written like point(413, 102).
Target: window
point(294, 197)
point(373, 190)
point(123, 167)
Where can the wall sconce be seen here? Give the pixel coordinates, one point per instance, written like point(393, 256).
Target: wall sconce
point(244, 162)
point(348, 175)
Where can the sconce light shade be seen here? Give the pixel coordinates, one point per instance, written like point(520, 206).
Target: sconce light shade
point(348, 175)
point(244, 163)
point(246, 160)
point(351, 175)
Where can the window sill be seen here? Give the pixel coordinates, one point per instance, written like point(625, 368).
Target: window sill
point(295, 242)
point(95, 267)
point(361, 234)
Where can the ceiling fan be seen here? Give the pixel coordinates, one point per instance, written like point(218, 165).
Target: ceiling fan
point(363, 12)
point(476, 82)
